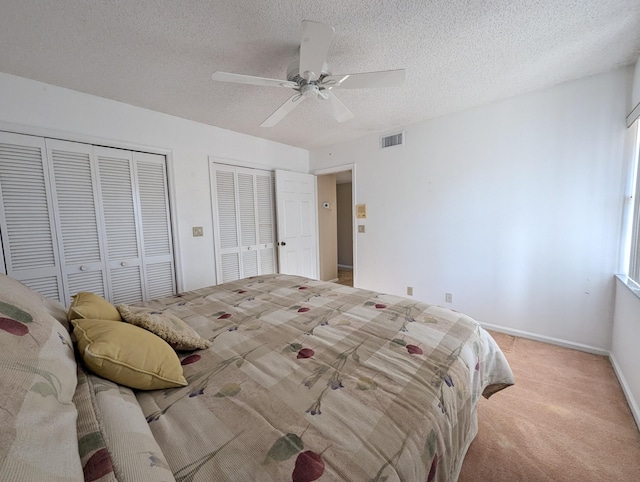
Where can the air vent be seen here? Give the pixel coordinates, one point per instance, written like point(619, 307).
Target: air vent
point(392, 140)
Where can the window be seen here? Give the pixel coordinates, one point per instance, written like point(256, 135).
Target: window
point(634, 251)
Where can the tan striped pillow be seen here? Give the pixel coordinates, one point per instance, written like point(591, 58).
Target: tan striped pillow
point(167, 326)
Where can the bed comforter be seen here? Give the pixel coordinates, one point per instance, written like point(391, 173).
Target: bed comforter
point(308, 380)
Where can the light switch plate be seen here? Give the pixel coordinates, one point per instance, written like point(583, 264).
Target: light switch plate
point(361, 228)
point(197, 231)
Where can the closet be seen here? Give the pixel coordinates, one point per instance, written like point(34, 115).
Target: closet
point(244, 221)
point(77, 217)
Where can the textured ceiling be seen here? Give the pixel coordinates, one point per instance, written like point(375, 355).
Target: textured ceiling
point(160, 54)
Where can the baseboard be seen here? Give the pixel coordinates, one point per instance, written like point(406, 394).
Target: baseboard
point(547, 339)
point(345, 266)
point(633, 404)
point(334, 280)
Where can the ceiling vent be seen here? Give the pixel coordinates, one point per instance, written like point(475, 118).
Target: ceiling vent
point(392, 140)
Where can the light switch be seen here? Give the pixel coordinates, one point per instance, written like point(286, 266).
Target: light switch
point(197, 231)
point(361, 228)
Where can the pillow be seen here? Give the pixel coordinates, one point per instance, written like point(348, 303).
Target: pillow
point(127, 355)
point(92, 306)
point(37, 382)
point(167, 326)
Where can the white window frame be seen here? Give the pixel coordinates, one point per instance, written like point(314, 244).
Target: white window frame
point(631, 251)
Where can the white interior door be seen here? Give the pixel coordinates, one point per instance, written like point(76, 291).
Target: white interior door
point(297, 223)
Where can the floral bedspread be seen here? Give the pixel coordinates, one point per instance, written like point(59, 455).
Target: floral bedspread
point(308, 380)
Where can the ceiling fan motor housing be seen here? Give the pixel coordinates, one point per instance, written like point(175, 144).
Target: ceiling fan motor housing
point(294, 74)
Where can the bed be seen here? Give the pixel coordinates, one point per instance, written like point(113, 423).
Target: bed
point(304, 380)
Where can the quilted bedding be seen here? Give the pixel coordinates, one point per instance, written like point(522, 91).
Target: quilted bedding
point(308, 380)
point(58, 422)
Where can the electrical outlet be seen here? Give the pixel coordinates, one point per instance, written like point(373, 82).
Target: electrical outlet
point(448, 297)
point(410, 290)
point(197, 231)
point(361, 228)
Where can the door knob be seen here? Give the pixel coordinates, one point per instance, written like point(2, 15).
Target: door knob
point(282, 243)
point(124, 263)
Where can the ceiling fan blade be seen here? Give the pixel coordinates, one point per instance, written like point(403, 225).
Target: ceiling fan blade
point(314, 45)
point(340, 111)
point(251, 80)
point(292, 102)
point(386, 78)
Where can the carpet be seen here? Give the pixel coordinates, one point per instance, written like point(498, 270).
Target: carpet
point(565, 419)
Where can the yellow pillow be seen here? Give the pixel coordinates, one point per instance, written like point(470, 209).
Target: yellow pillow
point(92, 306)
point(128, 355)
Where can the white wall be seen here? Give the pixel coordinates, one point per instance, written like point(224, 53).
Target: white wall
point(514, 207)
point(42, 108)
point(624, 346)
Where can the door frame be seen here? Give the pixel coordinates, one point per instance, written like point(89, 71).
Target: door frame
point(354, 227)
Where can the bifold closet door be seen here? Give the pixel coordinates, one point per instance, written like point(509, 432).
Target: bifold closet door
point(266, 223)
point(227, 239)
point(247, 216)
point(112, 213)
point(76, 217)
point(77, 213)
point(121, 224)
point(135, 206)
point(157, 247)
point(244, 228)
point(29, 243)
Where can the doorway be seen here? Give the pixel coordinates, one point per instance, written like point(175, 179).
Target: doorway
point(336, 225)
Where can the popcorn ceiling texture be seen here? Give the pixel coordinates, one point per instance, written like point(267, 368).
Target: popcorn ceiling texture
point(457, 53)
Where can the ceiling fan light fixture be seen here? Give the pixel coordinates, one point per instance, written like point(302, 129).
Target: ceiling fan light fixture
point(309, 90)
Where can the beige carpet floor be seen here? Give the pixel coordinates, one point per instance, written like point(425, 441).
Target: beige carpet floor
point(345, 277)
point(566, 419)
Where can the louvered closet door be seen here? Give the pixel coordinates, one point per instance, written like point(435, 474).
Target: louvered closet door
point(121, 226)
point(77, 214)
point(248, 226)
point(157, 247)
point(244, 227)
point(225, 214)
point(266, 222)
point(26, 215)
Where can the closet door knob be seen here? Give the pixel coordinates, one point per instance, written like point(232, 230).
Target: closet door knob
point(124, 263)
point(83, 268)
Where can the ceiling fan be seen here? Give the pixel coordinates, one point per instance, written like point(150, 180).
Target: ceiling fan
point(309, 76)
